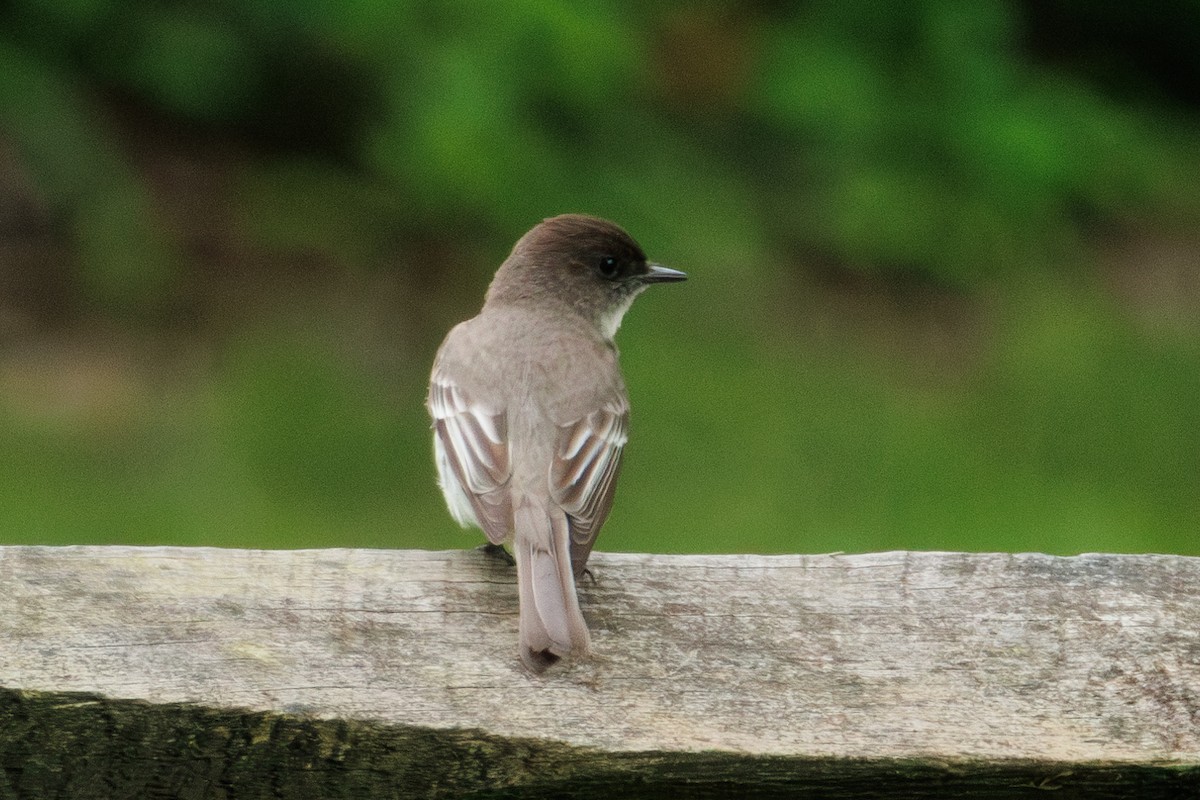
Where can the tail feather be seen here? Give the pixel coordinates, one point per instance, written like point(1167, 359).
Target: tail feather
point(551, 624)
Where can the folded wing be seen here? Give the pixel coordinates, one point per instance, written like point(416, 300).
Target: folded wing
point(473, 458)
point(583, 476)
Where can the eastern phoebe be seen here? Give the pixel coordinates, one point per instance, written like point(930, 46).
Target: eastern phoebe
point(530, 414)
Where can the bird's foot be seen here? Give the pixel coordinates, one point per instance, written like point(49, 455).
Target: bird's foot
point(498, 551)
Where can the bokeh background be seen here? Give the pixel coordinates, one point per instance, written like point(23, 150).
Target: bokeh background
point(945, 263)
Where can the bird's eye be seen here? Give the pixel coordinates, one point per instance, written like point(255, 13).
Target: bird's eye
point(608, 267)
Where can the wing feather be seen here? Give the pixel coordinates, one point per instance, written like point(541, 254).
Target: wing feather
point(473, 458)
point(583, 475)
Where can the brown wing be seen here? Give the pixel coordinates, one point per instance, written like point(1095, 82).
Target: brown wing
point(583, 476)
point(473, 460)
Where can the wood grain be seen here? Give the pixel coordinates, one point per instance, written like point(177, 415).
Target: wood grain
point(1031, 666)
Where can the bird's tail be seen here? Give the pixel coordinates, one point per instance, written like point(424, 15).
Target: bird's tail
point(551, 624)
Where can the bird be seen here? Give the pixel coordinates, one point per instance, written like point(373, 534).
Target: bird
point(531, 415)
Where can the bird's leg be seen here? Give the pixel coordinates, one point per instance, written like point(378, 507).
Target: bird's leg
point(498, 551)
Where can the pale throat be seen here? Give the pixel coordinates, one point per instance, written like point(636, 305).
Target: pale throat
point(610, 320)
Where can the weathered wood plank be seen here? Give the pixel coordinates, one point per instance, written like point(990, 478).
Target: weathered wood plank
point(1025, 668)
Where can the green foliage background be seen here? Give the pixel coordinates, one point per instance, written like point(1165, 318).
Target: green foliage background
point(944, 257)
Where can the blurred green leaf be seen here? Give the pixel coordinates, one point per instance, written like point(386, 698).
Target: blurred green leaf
point(297, 206)
point(126, 262)
point(41, 110)
point(202, 67)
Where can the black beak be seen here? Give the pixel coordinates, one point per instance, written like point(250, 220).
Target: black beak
point(660, 274)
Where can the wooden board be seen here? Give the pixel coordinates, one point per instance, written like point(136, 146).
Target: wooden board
point(1051, 667)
